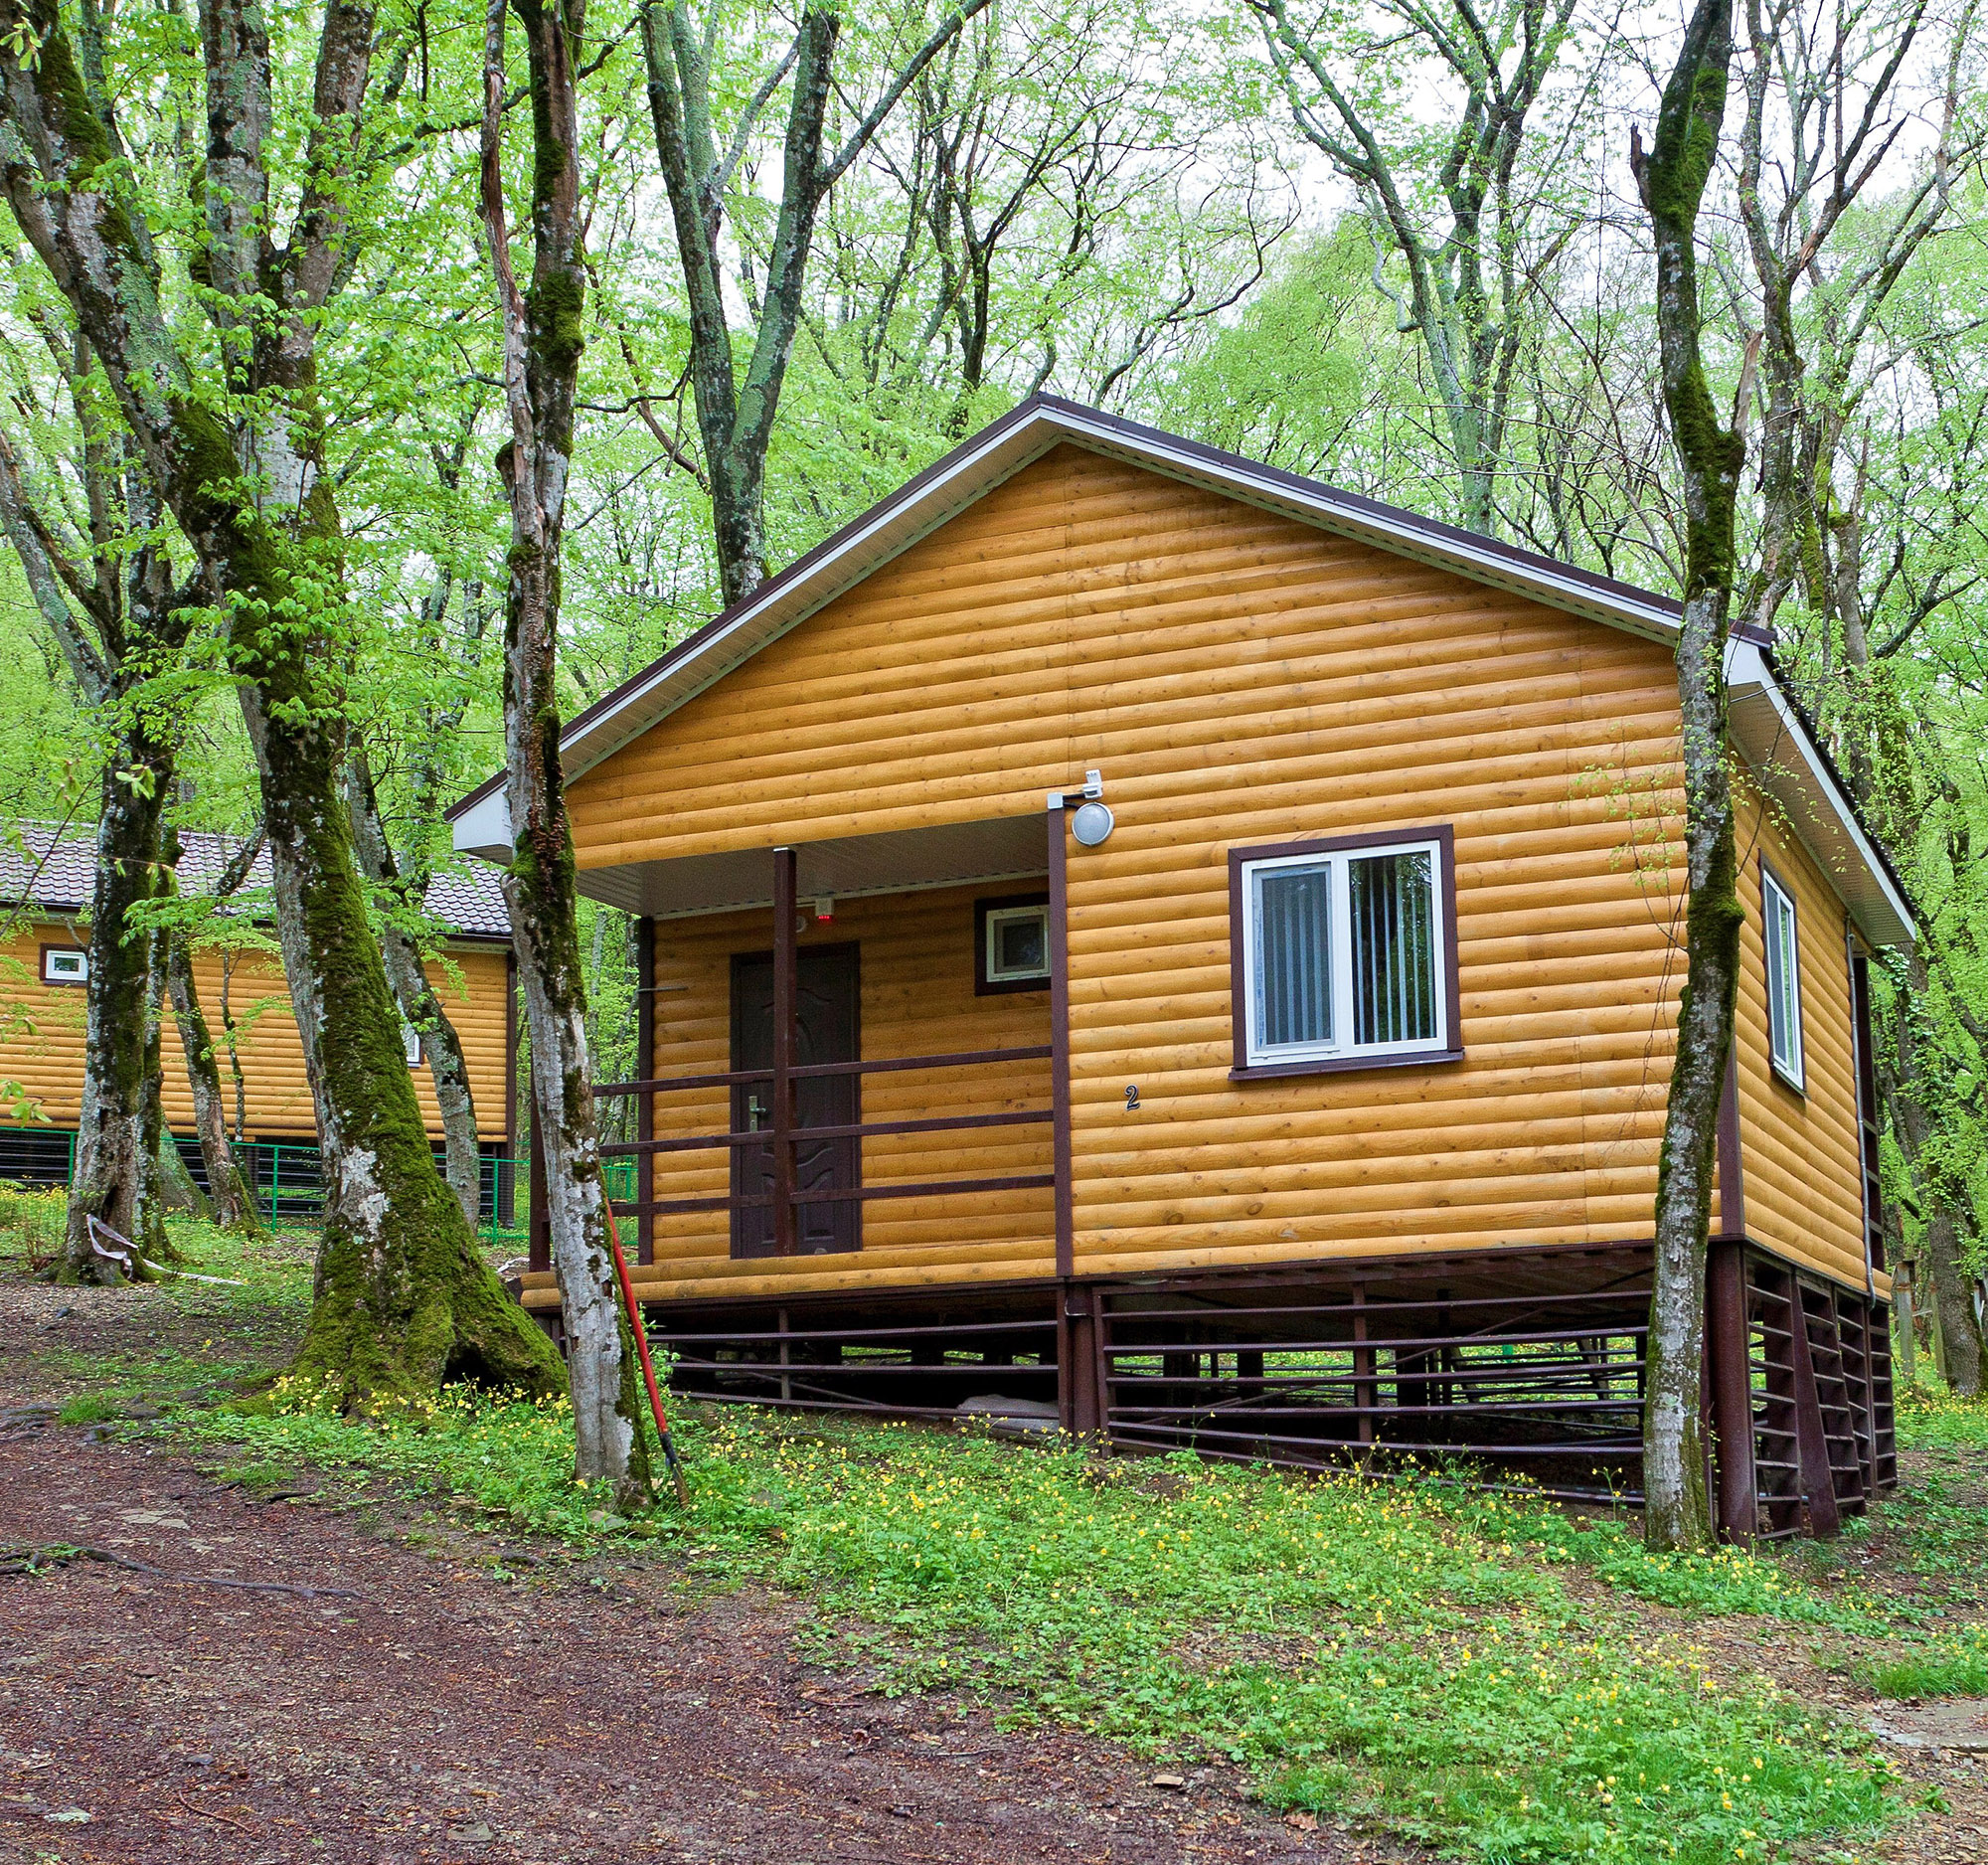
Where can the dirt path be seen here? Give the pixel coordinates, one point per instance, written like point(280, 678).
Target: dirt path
point(445, 1715)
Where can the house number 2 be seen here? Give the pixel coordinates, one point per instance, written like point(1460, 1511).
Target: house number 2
point(1131, 1096)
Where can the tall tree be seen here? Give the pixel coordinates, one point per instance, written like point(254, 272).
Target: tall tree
point(543, 338)
point(108, 596)
point(735, 413)
point(234, 1204)
point(1671, 177)
point(1470, 237)
point(236, 449)
point(404, 895)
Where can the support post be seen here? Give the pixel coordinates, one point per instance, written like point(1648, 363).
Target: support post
point(786, 1008)
point(1082, 1397)
point(1732, 1382)
point(1818, 1480)
point(1365, 1388)
point(540, 1246)
point(1058, 853)
point(645, 1070)
point(1728, 1162)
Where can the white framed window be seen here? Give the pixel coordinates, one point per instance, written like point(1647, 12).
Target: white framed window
point(64, 965)
point(1013, 937)
point(1342, 951)
point(410, 1044)
point(1780, 934)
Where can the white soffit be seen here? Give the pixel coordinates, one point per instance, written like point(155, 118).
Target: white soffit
point(895, 862)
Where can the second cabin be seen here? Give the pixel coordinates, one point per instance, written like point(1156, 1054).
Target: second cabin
point(1137, 937)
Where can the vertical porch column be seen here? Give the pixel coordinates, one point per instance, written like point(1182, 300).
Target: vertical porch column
point(1730, 1365)
point(1727, 1162)
point(1729, 1352)
point(645, 1070)
point(786, 1008)
point(1059, 859)
point(1080, 1389)
point(1366, 1390)
point(540, 1246)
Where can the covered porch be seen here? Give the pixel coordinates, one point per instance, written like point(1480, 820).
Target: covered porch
point(857, 1069)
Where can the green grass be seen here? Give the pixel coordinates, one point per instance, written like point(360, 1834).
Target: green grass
point(1410, 1651)
point(1946, 1672)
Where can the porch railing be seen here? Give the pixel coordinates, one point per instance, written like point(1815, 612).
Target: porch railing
point(786, 1131)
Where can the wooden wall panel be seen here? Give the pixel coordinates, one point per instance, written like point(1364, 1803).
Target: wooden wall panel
point(1240, 679)
point(1801, 1151)
point(917, 998)
point(42, 1038)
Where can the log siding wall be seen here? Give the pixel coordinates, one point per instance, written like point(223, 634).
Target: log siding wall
point(1240, 679)
point(42, 1038)
point(1801, 1159)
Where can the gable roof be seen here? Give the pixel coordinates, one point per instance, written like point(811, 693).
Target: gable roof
point(60, 873)
point(1028, 431)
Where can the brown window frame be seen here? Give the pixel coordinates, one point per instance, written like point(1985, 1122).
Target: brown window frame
point(64, 984)
point(983, 985)
point(1770, 876)
point(1444, 835)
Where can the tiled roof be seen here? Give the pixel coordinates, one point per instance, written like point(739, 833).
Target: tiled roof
point(62, 867)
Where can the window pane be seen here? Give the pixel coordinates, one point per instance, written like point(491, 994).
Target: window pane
point(1783, 986)
point(1394, 948)
point(1293, 957)
point(1017, 944)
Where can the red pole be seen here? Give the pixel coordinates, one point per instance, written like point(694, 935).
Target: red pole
point(642, 1349)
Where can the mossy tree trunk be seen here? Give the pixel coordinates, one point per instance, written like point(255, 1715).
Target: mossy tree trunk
point(233, 1203)
point(542, 346)
point(1672, 177)
point(113, 1180)
point(403, 1298)
point(420, 1004)
point(1957, 1338)
point(105, 591)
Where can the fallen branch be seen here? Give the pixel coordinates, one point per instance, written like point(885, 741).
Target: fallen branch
point(32, 1560)
point(209, 1814)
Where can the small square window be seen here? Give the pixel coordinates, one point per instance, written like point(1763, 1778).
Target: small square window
point(1779, 933)
point(64, 965)
point(1012, 944)
point(410, 1044)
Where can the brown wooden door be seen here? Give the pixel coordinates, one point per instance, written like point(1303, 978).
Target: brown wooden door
point(827, 1032)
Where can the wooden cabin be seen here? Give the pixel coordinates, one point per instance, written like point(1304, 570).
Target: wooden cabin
point(44, 965)
point(1134, 931)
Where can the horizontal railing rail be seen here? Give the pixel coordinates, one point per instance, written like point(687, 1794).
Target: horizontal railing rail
point(808, 1071)
point(624, 1156)
point(863, 1130)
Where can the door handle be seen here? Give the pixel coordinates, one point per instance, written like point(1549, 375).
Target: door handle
point(755, 1112)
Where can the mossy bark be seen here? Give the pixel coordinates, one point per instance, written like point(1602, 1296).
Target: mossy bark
point(1960, 1354)
point(420, 1004)
point(542, 345)
point(114, 1153)
point(1672, 178)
